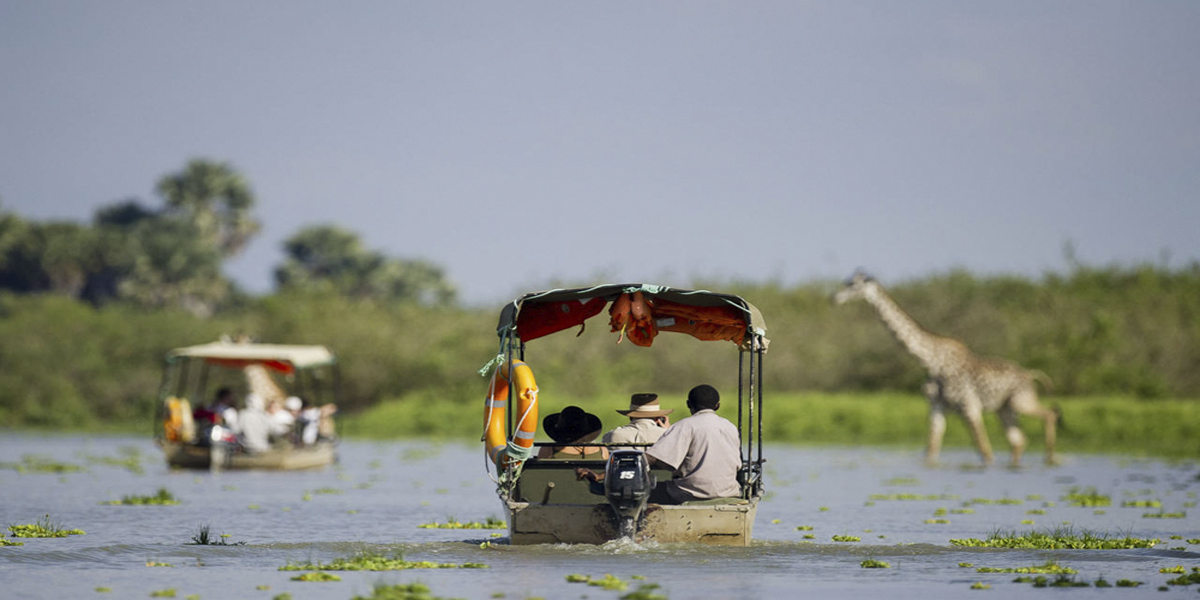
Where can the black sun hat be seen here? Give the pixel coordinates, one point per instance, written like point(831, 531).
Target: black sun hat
point(572, 425)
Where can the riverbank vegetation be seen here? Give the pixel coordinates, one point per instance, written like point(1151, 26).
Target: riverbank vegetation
point(88, 310)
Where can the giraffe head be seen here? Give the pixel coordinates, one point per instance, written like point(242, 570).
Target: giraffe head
point(855, 287)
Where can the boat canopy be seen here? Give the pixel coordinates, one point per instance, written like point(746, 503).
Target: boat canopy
point(639, 311)
point(280, 357)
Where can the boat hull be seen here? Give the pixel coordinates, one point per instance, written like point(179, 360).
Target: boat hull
point(724, 524)
point(281, 458)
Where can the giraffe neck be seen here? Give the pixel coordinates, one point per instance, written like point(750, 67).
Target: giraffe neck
point(261, 383)
point(916, 339)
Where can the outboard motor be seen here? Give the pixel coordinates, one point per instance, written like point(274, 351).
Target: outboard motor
point(627, 486)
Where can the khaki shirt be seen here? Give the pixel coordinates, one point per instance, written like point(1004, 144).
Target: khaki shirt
point(705, 452)
point(638, 431)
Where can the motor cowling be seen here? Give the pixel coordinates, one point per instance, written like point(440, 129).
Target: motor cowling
point(627, 486)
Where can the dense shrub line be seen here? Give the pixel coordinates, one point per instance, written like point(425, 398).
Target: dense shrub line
point(1131, 331)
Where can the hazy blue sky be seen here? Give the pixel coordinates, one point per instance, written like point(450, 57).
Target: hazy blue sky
point(515, 143)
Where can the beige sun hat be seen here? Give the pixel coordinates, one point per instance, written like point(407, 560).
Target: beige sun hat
point(645, 406)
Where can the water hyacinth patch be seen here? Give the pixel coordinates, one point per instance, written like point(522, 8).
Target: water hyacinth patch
point(1165, 515)
point(871, 563)
point(44, 528)
point(1142, 504)
point(411, 591)
point(846, 538)
point(452, 523)
point(376, 562)
point(317, 576)
point(7, 542)
point(1059, 539)
point(645, 591)
point(1049, 568)
point(1087, 497)
point(31, 463)
point(1187, 578)
point(162, 498)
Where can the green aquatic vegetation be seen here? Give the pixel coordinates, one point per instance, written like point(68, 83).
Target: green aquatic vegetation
point(327, 490)
point(7, 542)
point(44, 528)
point(810, 536)
point(1035, 511)
point(452, 523)
point(316, 576)
point(804, 528)
point(1049, 568)
point(1165, 515)
point(167, 593)
point(1193, 541)
point(163, 497)
point(846, 538)
point(965, 565)
point(1061, 580)
point(103, 590)
point(1128, 583)
point(33, 463)
point(902, 481)
point(1058, 539)
point(962, 511)
point(367, 561)
point(940, 512)
point(155, 563)
point(282, 596)
point(645, 591)
point(979, 585)
point(1186, 578)
point(202, 537)
point(1142, 504)
point(609, 582)
point(1027, 521)
point(411, 591)
point(130, 460)
point(1175, 569)
point(906, 497)
point(871, 563)
point(937, 521)
point(990, 501)
point(1087, 497)
point(577, 578)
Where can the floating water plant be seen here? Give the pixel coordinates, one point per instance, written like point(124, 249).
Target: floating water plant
point(846, 538)
point(202, 538)
point(167, 593)
point(1087, 497)
point(162, 498)
point(376, 562)
point(317, 576)
point(1165, 515)
point(913, 497)
point(31, 463)
point(1059, 539)
point(1128, 583)
point(1142, 504)
point(44, 528)
point(645, 591)
point(452, 523)
point(609, 582)
point(804, 528)
point(979, 585)
point(1049, 568)
point(937, 521)
point(155, 563)
point(411, 591)
point(1186, 579)
point(577, 578)
point(871, 563)
point(7, 542)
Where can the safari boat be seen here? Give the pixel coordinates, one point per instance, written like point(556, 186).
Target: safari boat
point(543, 500)
point(190, 372)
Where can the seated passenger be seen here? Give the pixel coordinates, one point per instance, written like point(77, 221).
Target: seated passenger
point(647, 422)
point(572, 426)
point(254, 426)
point(282, 420)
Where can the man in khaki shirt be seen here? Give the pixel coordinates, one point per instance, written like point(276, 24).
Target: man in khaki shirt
point(647, 422)
point(704, 451)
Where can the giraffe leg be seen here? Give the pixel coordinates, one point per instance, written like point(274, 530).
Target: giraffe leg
point(974, 420)
point(937, 429)
point(1012, 432)
point(1026, 402)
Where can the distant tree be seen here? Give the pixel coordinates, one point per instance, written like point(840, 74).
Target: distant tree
point(329, 259)
point(216, 199)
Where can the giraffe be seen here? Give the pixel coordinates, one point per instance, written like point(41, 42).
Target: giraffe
point(260, 382)
point(960, 380)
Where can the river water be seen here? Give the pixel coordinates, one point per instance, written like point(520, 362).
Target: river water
point(375, 499)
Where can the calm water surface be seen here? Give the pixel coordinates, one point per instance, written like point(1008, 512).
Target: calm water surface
point(377, 496)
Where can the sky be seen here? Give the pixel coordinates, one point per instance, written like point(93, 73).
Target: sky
point(521, 145)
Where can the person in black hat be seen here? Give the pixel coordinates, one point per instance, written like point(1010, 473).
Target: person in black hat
point(647, 422)
point(571, 428)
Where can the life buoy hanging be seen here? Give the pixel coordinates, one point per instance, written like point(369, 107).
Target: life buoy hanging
point(495, 407)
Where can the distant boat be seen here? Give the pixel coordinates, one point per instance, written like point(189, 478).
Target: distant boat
point(308, 372)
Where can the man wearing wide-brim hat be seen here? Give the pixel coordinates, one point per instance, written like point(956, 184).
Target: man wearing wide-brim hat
point(647, 422)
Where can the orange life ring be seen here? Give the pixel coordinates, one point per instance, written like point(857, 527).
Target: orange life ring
point(496, 403)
